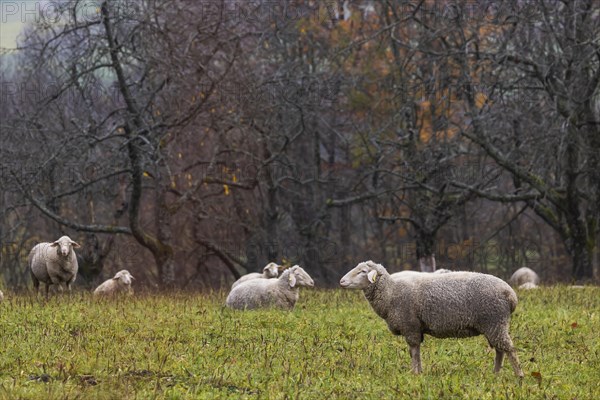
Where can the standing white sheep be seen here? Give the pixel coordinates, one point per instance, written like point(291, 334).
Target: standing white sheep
point(524, 275)
point(119, 284)
point(271, 270)
point(54, 263)
point(457, 304)
point(279, 292)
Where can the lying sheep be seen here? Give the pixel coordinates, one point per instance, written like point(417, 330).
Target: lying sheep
point(119, 284)
point(458, 304)
point(279, 292)
point(271, 270)
point(54, 263)
point(410, 274)
point(528, 285)
point(406, 274)
point(524, 275)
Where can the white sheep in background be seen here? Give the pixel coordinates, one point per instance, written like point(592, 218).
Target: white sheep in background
point(406, 274)
point(119, 284)
point(1, 296)
point(457, 304)
point(279, 292)
point(54, 263)
point(410, 273)
point(528, 285)
point(524, 275)
point(271, 270)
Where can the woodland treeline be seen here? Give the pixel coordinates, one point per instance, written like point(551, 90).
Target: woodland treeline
point(193, 141)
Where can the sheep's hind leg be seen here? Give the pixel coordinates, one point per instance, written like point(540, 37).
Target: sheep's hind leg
point(415, 355)
point(505, 345)
point(498, 360)
point(514, 360)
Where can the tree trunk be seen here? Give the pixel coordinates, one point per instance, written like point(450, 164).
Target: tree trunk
point(164, 253)
point(425, 254)
point(582, 256)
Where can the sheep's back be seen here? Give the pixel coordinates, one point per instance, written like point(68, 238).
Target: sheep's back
point(108, 286)
point(247, 277)
point(38, 259)
point(462, 304)
point(258, 293)
point(249, 294)
point(524, 275)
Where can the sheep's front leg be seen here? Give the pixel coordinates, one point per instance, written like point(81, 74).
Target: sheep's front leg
point(415, 355)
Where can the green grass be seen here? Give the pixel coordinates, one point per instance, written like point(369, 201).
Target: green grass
point(331, 346)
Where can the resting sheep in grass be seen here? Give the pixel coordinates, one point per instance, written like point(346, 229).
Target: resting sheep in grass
point(524, 275)
point(54, 263)
point(528, 285)
point(119, 284)
point(279, 292)
point(271, 270)
point(409, 273)
point(457, 304)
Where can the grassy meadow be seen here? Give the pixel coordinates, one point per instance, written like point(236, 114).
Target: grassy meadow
point(332, 346)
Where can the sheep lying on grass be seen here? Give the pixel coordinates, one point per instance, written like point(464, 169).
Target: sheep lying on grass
point(522, 276)
point(53, 263)
point(271, 270)
point(458, 304)
point(119, 284)
point(528, 285)
point(410, 273)
point(279, 292)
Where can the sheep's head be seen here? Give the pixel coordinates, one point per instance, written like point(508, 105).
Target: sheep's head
point(124, 277)
point(363, 275)
point(64, 246)
point(271, 270)
point(298, 277)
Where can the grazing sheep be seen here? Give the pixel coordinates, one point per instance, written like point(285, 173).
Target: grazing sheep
point(279, 292)
point(271, 270)
point(524, 275)
point(53, 263)
point(528, 285)
point(120, 283)
point(460, 304)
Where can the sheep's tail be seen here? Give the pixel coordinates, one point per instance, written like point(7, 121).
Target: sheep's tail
point(511, 296)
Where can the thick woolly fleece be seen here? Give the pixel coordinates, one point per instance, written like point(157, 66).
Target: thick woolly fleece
point(457, 304)
point(271, 270)
point(54, 263)
point(524, 275)
point(119, 284)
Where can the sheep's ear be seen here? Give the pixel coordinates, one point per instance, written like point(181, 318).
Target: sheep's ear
point(292, 280)
point(372, 275)
point(75, 244)
point(54, 244)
